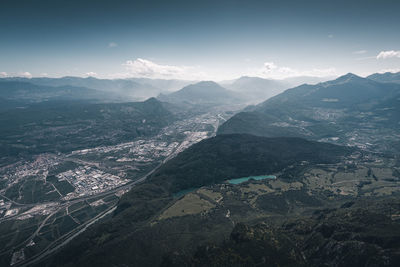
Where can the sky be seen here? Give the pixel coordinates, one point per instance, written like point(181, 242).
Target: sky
point(198, 40)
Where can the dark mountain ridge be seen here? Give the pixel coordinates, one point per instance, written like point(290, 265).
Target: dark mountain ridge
point(385, 77)
point(129, 236)
point(344, 92)
point(228, 156)
point(333, 109)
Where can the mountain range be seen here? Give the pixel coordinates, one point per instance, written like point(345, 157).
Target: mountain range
point(385, 77)
point(349, 110)
point(247, 89)
point(309, 177)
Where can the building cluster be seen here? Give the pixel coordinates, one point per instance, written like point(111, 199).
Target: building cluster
point(37, 167)
point(89, 181)
point(148, 151)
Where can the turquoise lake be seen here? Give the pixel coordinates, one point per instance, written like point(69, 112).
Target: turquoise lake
point(245, 179)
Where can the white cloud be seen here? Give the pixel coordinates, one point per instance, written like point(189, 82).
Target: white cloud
point(144, 68)
point(25, 74)
point(272, 71)
point(91, 74)
point(112, 44)
point(360, 52)
point(147, 69)
point(269, 67)
point(330, 36)
point(388, 54)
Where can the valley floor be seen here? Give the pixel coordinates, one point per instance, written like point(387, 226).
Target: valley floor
point(47, 201)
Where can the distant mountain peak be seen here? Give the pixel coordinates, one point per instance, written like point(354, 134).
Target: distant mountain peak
point(245, 78)
point(348, 77)
point(202, 92)
point(203, 85)
point(151, 100)
point(206, 83)
point(248, 77)
point(350, 74)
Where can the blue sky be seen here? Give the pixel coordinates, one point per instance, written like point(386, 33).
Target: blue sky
point(198, 39)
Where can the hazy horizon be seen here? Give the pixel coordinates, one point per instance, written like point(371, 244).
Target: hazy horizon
point(223, 81)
